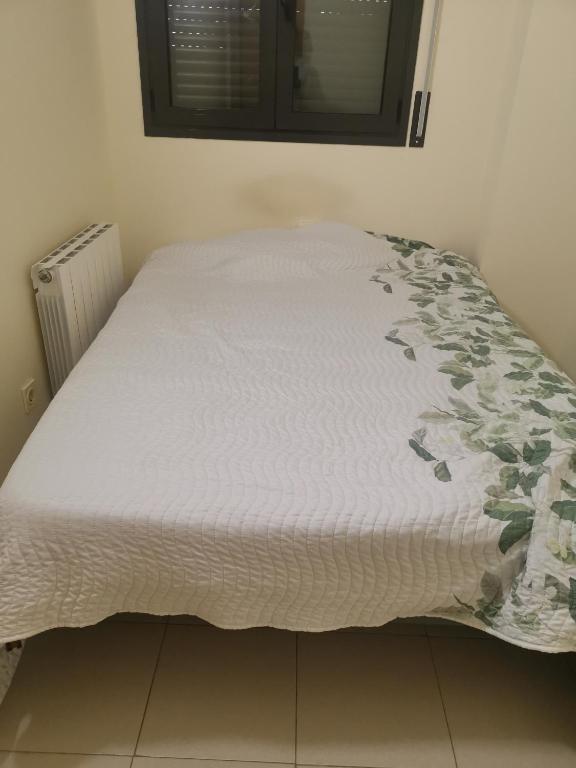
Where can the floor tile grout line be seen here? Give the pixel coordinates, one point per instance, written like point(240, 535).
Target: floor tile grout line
point(439, 686)
point(155, 670)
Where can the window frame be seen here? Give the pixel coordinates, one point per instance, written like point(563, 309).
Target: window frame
point(389, 128)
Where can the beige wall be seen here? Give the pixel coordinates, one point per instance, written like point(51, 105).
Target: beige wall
point(53, 176)
point(171, 189)
point(528, 250)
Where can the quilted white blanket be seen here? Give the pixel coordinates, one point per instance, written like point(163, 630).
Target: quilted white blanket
point(305, 429)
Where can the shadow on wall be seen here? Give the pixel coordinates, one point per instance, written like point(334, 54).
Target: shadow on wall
point(283, 200)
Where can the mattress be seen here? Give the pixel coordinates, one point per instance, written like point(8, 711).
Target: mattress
point(305, 429)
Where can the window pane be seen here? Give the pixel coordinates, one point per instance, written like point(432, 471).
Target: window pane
point(340, 55)
point(215, 54)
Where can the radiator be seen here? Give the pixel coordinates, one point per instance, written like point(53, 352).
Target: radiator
point(77, 287)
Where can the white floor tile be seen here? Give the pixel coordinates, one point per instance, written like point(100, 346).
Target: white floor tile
point(81, 691)
point(507, 708)
point(369, 700)
point(227, 700)
point(223, 695)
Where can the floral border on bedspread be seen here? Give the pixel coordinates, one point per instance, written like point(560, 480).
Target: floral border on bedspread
point(514, 406)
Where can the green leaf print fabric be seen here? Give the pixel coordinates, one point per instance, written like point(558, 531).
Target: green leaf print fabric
point(516, 412)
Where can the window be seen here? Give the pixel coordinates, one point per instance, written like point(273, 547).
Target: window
point(295, 70)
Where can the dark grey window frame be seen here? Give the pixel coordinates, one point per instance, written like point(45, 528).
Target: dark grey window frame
point(389, 128)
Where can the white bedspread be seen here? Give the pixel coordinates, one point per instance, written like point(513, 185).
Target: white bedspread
point(235, 445)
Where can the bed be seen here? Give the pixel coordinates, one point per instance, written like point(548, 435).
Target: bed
point(306, 429)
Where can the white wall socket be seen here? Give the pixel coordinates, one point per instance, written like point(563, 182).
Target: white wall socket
point(28, 392)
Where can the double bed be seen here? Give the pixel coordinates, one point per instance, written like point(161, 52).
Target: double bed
point(306, 429)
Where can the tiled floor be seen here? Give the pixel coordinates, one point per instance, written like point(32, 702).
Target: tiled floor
point(142, 693)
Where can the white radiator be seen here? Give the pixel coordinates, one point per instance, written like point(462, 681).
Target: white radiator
point(77, 287)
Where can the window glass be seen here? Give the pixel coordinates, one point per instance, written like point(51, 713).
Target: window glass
point(340, 55)
point(215, 54)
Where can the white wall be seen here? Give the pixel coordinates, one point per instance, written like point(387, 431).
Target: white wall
point(528, 247)
point(53, 176)
point(171, 189)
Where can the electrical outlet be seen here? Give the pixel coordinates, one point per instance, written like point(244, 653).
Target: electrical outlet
point(28, 392)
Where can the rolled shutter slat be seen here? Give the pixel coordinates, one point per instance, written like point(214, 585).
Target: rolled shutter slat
point(340, 54)
point(215, 54)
